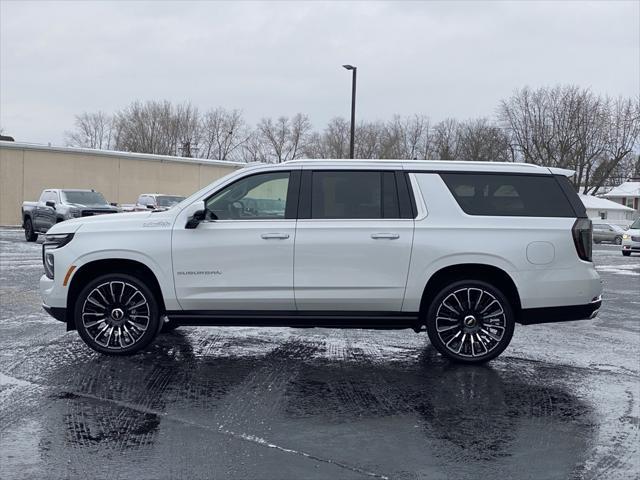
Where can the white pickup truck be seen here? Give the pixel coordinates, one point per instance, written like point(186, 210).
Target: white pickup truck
point(463, 250)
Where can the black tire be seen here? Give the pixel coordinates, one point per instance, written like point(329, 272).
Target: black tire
point(169, 326)
point(115, 300)
point(474, 308)
point(618, 241)
point(626, 254)
point(29, 233)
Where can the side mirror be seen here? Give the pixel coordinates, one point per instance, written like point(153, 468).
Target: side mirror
point(113, 204)
point(50, 204)
point(195, 214)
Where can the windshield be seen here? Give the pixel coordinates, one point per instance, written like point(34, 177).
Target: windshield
point(84, 198)
point(636, 225)
point(168, 200)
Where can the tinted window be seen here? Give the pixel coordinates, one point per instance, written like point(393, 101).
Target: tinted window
point(354, 194)
point(256, 197)
point(509, 195)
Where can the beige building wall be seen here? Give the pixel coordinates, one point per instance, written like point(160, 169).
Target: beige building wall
point(25, 170)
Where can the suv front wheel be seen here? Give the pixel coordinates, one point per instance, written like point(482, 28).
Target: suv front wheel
point(117, 314)
point(470, 321)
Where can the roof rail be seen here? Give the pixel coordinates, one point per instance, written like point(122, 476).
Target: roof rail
point(254, 164)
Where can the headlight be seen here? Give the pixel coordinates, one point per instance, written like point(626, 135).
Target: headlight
point(75, 212)
point(626, 236)
point(51, 242)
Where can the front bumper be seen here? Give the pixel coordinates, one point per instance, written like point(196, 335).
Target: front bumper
point(532, 316)
point(628, 246)
point(59, 314)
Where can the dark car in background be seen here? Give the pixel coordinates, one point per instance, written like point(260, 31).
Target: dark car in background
point(57, 205)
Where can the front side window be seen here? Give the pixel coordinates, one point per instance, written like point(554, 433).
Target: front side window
point(353, 194)
point(257, 197)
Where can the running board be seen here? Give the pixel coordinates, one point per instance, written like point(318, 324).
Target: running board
point(306, 319)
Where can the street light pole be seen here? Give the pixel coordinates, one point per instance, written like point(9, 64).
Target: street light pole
point(354, 71)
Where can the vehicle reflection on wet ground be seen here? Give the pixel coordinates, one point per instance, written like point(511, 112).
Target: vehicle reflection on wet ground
point(562, 401)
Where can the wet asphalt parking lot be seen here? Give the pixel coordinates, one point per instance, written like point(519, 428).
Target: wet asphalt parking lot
point(561, 402)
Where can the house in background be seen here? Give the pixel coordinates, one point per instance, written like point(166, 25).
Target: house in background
point(627, 194)
point(603, 209)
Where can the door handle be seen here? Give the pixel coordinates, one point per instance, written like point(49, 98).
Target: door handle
point(389, 236)
point(270, 236)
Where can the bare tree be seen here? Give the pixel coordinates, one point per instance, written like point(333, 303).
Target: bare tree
point(479, 140)
point(572, 128)
point(406, 138)
point(284, 138)
point(91, 130)
point(336, 138)
point(622, 138)
point(368, 139)
point(563, 126)
point(156, 127)
point(223, 133)
point(445, 139)
point(254, 149)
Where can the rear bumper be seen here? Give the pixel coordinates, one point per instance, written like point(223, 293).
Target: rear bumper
point(532, 316)
point(59, 314)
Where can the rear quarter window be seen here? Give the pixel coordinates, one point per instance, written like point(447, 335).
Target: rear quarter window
point(509, 195)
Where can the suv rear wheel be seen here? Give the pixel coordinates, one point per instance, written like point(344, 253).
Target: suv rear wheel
point(117, 314)
point(470, 321)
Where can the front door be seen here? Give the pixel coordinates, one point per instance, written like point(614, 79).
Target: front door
point(45, 216)
point(241, 257)
point(353, 249)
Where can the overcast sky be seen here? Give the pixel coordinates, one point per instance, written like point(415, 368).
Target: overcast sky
point(441, 59)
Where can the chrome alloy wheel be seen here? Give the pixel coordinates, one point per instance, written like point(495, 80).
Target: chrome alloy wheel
point(470, 322)
point(116, 315)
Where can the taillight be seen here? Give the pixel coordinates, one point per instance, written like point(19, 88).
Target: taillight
point(582, 238)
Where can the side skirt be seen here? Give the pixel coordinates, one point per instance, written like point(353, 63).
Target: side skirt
point(306, 319)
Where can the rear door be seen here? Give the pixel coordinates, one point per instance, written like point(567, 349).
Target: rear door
point(353, 240)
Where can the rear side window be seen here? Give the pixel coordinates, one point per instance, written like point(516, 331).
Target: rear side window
point(354, 194)
point(509, 195)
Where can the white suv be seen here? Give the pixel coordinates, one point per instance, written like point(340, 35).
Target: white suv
point(631, 239)
point(463, 250)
